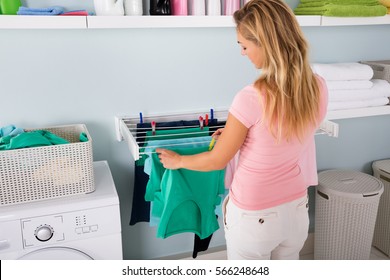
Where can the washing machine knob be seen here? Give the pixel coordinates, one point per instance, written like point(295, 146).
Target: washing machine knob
point(44, 233)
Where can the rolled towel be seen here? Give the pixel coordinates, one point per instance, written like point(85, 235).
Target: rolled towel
point(50, 11)
point(332, 10)
point(381, 88)
point(343, 71)
point(344, 85)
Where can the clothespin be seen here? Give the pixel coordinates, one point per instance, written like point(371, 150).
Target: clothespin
point(212, 114)
point(141, 119)
point(153, 123)
point(207, 120)
point(201, 122)
point(212, 142)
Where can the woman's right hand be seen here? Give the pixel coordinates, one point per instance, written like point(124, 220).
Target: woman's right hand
point(217, 133)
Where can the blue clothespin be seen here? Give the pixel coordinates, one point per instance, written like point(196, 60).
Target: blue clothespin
point(212, 114)
point(141, 120)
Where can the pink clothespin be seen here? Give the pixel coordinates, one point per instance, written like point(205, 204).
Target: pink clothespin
point(207, 120)
point(201, 122)
point(153, 123)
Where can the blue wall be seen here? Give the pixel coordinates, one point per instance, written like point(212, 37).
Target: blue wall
point(53, 77)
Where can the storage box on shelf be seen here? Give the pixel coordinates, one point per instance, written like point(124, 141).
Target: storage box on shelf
point(381, 69)
point(45, 172)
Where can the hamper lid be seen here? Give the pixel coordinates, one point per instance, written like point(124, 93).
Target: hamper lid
point(382, 165)
point(349, 183)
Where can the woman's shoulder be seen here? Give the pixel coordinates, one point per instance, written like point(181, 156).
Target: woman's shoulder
point(248, 90)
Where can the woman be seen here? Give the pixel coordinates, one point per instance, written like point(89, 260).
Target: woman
point(272, 123)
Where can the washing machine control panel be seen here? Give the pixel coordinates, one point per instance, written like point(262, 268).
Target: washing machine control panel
point(64, 227)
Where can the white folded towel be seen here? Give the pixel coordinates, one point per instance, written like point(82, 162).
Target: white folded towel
point(380, 88)
point(351, 84)
point(343, 71)
point(341, 105)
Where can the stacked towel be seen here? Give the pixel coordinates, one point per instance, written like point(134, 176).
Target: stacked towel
point(351, 85)
point(341, 8)
point(386, 3)
point(50, 11)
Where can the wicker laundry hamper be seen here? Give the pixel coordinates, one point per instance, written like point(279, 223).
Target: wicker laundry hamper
point(381, 238)
point(39, 173)
point(345, 213)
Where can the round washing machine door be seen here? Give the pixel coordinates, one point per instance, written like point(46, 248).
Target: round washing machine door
point(56, 253)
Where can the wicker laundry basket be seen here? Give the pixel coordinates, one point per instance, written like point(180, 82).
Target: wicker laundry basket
point(381, 238)
point(39, 173)
point(345, 213)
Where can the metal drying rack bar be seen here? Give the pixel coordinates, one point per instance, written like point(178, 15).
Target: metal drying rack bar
point(126, 127)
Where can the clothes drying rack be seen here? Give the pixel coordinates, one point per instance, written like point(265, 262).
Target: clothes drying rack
point(126, 127)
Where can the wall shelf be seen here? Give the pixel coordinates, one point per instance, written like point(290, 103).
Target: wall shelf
point(345, 21)
point(176, 21)
point(357, 113)
point(100, 22)
point(42, 22)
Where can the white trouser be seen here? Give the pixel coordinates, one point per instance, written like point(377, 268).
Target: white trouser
point(274, 233)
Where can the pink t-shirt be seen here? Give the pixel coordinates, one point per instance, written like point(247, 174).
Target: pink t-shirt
point(269, 173)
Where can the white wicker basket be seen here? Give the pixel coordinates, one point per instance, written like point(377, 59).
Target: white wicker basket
point(39, 173)
point(345, 214)
point(381, 69)
point(381, 239)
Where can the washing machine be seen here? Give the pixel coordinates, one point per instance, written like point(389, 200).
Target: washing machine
point(85, 226)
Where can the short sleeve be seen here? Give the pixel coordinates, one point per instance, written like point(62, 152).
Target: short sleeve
point(246, 106)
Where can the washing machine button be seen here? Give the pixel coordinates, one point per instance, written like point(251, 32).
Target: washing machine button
point(44, 233)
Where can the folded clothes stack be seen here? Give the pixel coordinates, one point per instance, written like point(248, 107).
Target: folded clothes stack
point(50, 11)
point(386, 3)
point(341, 8)
point(351, 86)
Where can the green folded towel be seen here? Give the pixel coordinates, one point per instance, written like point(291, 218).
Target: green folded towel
point(342, 2)
point(320, 3)
point(332, 10)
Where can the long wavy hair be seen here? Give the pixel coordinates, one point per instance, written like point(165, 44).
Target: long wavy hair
point(292, 94)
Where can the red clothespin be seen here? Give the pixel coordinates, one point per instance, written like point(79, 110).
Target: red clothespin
point(201, 122)
point(207, 120)
point(153, 123)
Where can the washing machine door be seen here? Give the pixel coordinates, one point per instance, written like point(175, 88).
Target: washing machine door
point(56, 253)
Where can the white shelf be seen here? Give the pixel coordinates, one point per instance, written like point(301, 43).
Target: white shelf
point(159, 21)
point(42, 22)
point(176, 21)
point(357, 113)
point(95, 22)
point(343, 21)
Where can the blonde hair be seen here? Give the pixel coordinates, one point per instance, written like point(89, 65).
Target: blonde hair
point(291, 102)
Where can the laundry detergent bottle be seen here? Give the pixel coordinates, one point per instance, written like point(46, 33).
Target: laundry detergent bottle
point(133, 7)
point(10, 7)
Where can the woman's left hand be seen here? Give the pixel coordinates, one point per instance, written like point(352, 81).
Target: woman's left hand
point(169, 159)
